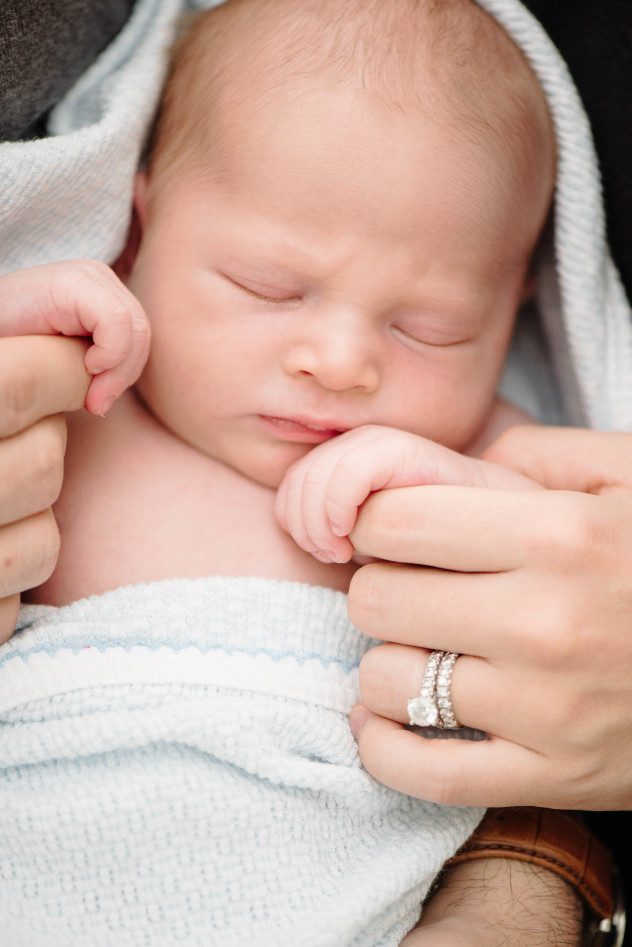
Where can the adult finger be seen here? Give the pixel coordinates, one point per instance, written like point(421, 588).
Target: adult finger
point(491, 772)
point(561, 556)
point(447, 527)
point(476, 613)
point(443, 771)
point(28, 552)
point(473, 530)
point(407, 604)
point(39, 376)
point(535, 707)
point(567, 458)
point(31, 469)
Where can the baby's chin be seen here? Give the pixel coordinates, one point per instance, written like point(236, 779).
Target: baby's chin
point(269, 476)
point(267, 471)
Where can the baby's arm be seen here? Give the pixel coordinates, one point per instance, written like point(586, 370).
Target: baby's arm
point(79, 298)
point(319, 498)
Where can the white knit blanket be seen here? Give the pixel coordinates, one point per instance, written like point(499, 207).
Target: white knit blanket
point(176, 768)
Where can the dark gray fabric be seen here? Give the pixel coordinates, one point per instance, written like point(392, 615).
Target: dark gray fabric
point(45, 45)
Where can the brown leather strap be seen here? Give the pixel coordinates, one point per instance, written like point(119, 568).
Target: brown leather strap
point(552, 839)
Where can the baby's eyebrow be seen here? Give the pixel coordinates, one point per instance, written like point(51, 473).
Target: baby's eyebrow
point(285, 258)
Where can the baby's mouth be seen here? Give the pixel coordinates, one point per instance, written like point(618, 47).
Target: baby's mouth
point(295, 429)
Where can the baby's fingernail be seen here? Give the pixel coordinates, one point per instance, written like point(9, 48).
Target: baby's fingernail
point(337, 530)
point(323, 555)
point(100, 410)
point(357, 719)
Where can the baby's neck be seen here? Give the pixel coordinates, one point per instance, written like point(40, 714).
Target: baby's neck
point(140, 505)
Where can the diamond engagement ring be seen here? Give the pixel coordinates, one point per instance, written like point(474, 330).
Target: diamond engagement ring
point(423, 710)
point(433, 707)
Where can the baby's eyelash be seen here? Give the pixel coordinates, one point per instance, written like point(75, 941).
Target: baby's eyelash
point(272, 300)
point(437, 342)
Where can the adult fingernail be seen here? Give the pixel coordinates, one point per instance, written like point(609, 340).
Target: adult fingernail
point(357, 719)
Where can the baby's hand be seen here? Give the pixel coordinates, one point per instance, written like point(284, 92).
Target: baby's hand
point(319, 497)
point(78, 298)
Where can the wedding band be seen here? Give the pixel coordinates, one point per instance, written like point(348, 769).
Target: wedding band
point(423, 710)
point(443, 692)
point(433, 707)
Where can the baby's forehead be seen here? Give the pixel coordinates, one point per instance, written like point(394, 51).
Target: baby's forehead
point(389, 45)
point(447, 59)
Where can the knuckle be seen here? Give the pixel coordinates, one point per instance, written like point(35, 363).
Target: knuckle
point(29, 553)
point(46, 461)
point(439, 787)
point(569, 534)
point(15, 398)
point(374, 682)
point(565, 709)
point(553, 637)
point(365, 604)
point(313, 475)
point(386, 516)
point(89, 267)
point(45, 547)
point(68, 279)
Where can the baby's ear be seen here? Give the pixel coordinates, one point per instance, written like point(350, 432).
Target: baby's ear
point(124, 263)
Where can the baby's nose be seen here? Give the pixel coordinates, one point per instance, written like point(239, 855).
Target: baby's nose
point(339, 353)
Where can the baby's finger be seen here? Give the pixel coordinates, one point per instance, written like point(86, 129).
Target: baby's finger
point(77, 298)
point(303, 505)
point(121, 338)
point(365, 466)
point(69, 298)
point(105, 389)
point(119, 353)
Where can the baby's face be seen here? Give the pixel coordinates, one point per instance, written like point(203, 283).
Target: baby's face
point(348, 266)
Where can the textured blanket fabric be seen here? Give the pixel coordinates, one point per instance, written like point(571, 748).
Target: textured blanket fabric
point(176, 767)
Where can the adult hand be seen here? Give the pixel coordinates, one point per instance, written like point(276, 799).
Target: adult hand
point(40, 377)
point(534, 589)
